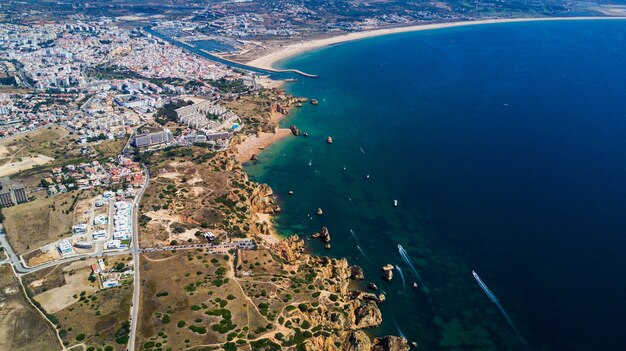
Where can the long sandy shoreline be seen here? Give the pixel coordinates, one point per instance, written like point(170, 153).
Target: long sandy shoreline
point(268, 61)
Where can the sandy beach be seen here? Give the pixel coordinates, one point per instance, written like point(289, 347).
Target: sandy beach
point(254, 144)
point(268, 61)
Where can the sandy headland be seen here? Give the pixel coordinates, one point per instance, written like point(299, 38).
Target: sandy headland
point(268, 62)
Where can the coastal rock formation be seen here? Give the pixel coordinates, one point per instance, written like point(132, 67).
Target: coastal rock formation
point(325, 235)
point(390, 343)
point(263, 227)
point(388, 272)
point(289, 249)
point(335, 271)
point(369, 296)
point(382, 298)
point(343, 341)
point(365, 314)
point(388, 275)
point(280, 108)
point(262, 199)
point(356, 273)
point(294, 130)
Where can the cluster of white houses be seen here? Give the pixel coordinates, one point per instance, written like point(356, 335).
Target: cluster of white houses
point(121, 226)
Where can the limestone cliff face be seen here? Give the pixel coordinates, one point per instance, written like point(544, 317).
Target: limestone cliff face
point(390, 343)
point(262, 199)
point(356, 341)
point(347, 341)
point(336, 271)
point(289, 249)
point(364, 314)
point(263, 228)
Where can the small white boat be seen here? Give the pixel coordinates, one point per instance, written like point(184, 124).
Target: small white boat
point(395, 203)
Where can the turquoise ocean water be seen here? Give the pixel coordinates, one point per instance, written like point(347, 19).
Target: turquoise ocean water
point(505, 147)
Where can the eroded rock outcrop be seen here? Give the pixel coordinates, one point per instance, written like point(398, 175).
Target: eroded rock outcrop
point(365, 314)
point(335, 272)
point(289, 249)
point(356, 273)
point(262, 199)
point(343, 341)
point(390, 343)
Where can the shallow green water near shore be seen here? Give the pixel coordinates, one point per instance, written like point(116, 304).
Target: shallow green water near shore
point(505, 146)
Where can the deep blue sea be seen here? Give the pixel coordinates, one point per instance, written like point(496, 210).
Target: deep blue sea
point(505, 147)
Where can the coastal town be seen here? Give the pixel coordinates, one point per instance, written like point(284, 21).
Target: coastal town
point(121, 149)
point(127, 220)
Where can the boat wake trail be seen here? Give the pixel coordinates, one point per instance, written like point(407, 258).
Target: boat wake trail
point(407, 260)
point(398, 327)
point(354, 235)
point(495, 300)
point(363, 253)
point(402, 277)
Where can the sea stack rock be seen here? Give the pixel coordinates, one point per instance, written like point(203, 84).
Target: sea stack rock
point(388, 272)
point(356, 273)
point(319, 212)
point(381, 298)
point(294, 130)
point(329, 140)
point(325, 234)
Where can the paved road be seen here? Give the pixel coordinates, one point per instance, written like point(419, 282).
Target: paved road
point(134, 306)
point(20, 268)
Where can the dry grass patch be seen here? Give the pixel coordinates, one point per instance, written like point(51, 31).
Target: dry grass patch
point(38, 142)
point(22, 328)
point(76, 280)
point(37, 223)
point(190, 298)
point(98, 319)
point(110, 148)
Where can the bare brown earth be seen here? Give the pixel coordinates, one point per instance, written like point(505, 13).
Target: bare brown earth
point(22, 328)
point(101, 316)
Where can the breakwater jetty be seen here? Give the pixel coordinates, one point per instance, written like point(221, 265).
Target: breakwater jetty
point(273, 73)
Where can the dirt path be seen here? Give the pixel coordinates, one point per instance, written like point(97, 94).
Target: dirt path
point(159, 259)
